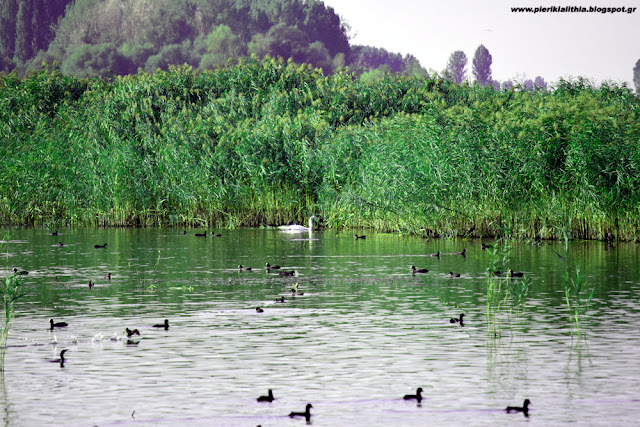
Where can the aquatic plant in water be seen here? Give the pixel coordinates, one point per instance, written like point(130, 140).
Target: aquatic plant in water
point(503, 291)
point(11, 292)
point(573, 288)
point(499, 254)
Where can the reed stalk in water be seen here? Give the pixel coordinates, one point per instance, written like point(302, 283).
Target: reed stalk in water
point(499, 255)
point(11, 292)
point(574, 297)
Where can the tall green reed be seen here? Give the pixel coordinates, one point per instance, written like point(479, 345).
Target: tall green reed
point(505, 295)
point(267, 140)
point(499, 256)
point(11, 291)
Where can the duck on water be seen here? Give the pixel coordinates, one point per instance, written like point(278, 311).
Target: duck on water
point(306, 413)
point(457, 320)
point(417, 396)
point(58, 324)
point(61, 360)
point(268, 398)
point(164, 325)
point(524, 408)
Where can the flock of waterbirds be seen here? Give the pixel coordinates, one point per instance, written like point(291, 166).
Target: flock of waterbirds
point(98, 337)
point(294, 291)
point(270, 397)
point(417, 397)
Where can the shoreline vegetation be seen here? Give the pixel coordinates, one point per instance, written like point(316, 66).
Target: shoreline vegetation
point(264, 142)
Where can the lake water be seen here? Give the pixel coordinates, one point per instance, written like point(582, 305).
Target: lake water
point(365, 332)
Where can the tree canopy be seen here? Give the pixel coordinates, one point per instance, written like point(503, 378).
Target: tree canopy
point(121, 36)
point(456, 67)
point(482, 65)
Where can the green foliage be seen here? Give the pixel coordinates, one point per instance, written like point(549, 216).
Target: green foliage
point(266, 141)
point(174, 54)
point(153, 34)
point(573, 296)
point(137, 54)
point(456, 67)
point(504, 293)
point(8, 18)
point(198, 32)
point(636, 76)
point(26, 27)
point(87, 60)
point(482, 66)
point(24, 32)
point(371, 58)
point(219, 46)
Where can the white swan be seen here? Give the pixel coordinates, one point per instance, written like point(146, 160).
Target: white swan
point(295, 228)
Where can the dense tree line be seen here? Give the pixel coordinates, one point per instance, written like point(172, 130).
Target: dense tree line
point(121, 36)
point(26, 27)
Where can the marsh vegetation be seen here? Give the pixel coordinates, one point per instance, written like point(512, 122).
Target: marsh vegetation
point(263, 142)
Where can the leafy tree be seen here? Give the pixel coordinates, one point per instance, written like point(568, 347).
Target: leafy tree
point(413, 68)
point(370, 58)
point(174, 54)
point(259, 45)
point(287, 41)
point(377, 74)
point(339, 61)
point(49, 12)
point(528, 84)
point(482, 65)
point(137, 53)
point(323, 24)
point(456, 67)
point(636, 76)
point(94, 59)
point(220, 45)
point(318, 55)
point(281, 40)
point(170, 23)
point(539, 82)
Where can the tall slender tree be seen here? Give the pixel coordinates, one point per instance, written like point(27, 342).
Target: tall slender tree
point(456, 67)
point(482, 65)
point(24, 32)
point(636, 76)
point(8, 13)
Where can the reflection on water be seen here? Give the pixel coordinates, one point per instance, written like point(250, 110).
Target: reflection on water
point(365, 333)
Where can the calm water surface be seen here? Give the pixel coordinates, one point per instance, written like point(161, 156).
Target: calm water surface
point(365, 332)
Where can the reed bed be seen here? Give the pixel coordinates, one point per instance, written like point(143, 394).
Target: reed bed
point(263, 142)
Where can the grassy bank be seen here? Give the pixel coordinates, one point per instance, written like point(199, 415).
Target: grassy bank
point(264, 142)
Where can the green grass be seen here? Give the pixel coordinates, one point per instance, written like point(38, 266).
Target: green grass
point(265, 142)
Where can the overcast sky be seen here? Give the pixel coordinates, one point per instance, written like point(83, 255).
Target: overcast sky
point(523, 45)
